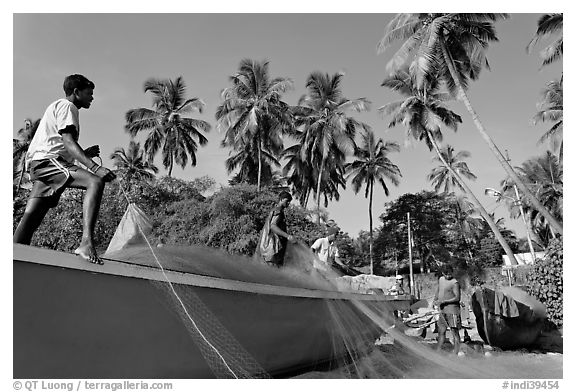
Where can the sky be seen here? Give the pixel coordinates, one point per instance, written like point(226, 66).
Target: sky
point(119, 52)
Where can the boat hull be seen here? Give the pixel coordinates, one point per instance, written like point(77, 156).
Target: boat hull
point(85, 323)
point(506, 333)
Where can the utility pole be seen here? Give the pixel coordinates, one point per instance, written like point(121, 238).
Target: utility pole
point(410, 256)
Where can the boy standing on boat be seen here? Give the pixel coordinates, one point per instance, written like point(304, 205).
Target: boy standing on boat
point(447, 298)
point(51, 159)
point(326, 249)
point(274, 238)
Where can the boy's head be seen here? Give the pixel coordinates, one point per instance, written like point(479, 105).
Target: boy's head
point(332, 231)
point(284, 198)
point(448, 272)
point(80, 89)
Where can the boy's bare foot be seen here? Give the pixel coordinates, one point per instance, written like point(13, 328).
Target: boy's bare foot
point(88, 253)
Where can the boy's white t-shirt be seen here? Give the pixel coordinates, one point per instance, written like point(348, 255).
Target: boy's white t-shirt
point(325, 249)
point(47, 142)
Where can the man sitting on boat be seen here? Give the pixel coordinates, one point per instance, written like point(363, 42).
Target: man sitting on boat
point(447, 298)
point(51, 160)
point(326, 250)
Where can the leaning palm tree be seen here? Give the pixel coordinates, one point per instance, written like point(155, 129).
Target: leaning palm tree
point(440, 176)
point(252, 111)
point(551, 109)
point(131, 164)
point(373, 165)
point(20, 148)
point(549, 25)
point(422, 112)
point(452, 47)
point(168, 128)
point(329, 131)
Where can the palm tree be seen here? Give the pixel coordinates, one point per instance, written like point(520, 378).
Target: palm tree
point(551, 109)
point(299, 171)
point(131, 164)
point(549, 24)
point(20, 148)
point(544, 176)
point(328, 130)
point(252, 111)
point(423, 114)
point(440, 176)
point(168, 129)
point(373, 165)
point(452, 47)
point(252, 170)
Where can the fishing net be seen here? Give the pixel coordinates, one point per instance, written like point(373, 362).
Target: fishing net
point(294, 321)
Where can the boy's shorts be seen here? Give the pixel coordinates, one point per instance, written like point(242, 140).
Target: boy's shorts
point(50, 177)
point(448, 320)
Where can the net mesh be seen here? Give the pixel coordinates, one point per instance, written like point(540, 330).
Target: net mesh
point(352, 327)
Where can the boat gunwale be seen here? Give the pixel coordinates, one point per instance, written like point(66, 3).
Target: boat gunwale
point(48, 257)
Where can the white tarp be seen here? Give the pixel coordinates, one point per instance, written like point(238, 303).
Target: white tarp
point(130, 231)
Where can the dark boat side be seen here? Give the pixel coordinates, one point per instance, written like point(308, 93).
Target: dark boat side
point(501, 331)
point(77, 320)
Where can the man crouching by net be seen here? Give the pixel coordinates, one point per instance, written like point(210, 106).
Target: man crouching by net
point(51, 161)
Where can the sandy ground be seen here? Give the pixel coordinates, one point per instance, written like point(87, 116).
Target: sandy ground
point(400, 356)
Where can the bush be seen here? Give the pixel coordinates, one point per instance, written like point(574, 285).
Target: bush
point(546, 281)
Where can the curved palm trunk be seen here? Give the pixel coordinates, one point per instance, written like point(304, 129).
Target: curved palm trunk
point(318, 189)
point(370, 214)
point(477, 203)
point(307, 197)
point(171, 165)
point(509, 170)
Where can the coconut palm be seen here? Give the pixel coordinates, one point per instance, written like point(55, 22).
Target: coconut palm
point(422, 113)
point(299, 172)
point(20, 148)
point(551, 110)
point(252, 170)
point(544, 176)
point(131, 164)
point(373, 165)
point(440, 176)
point(328, 130)
point(168, 128)
point(252, 111)
point(549, 25)
point(452, 47)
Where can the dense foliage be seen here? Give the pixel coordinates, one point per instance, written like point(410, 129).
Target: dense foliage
point(546, 281)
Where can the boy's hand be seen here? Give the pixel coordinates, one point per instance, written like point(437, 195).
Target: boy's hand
point(92, 151)
point(106, 174)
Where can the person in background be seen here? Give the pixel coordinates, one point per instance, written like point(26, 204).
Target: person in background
point(51, 160)
point(398, 288)
point(274, 238)
point(447, 298)
point(326, 249)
